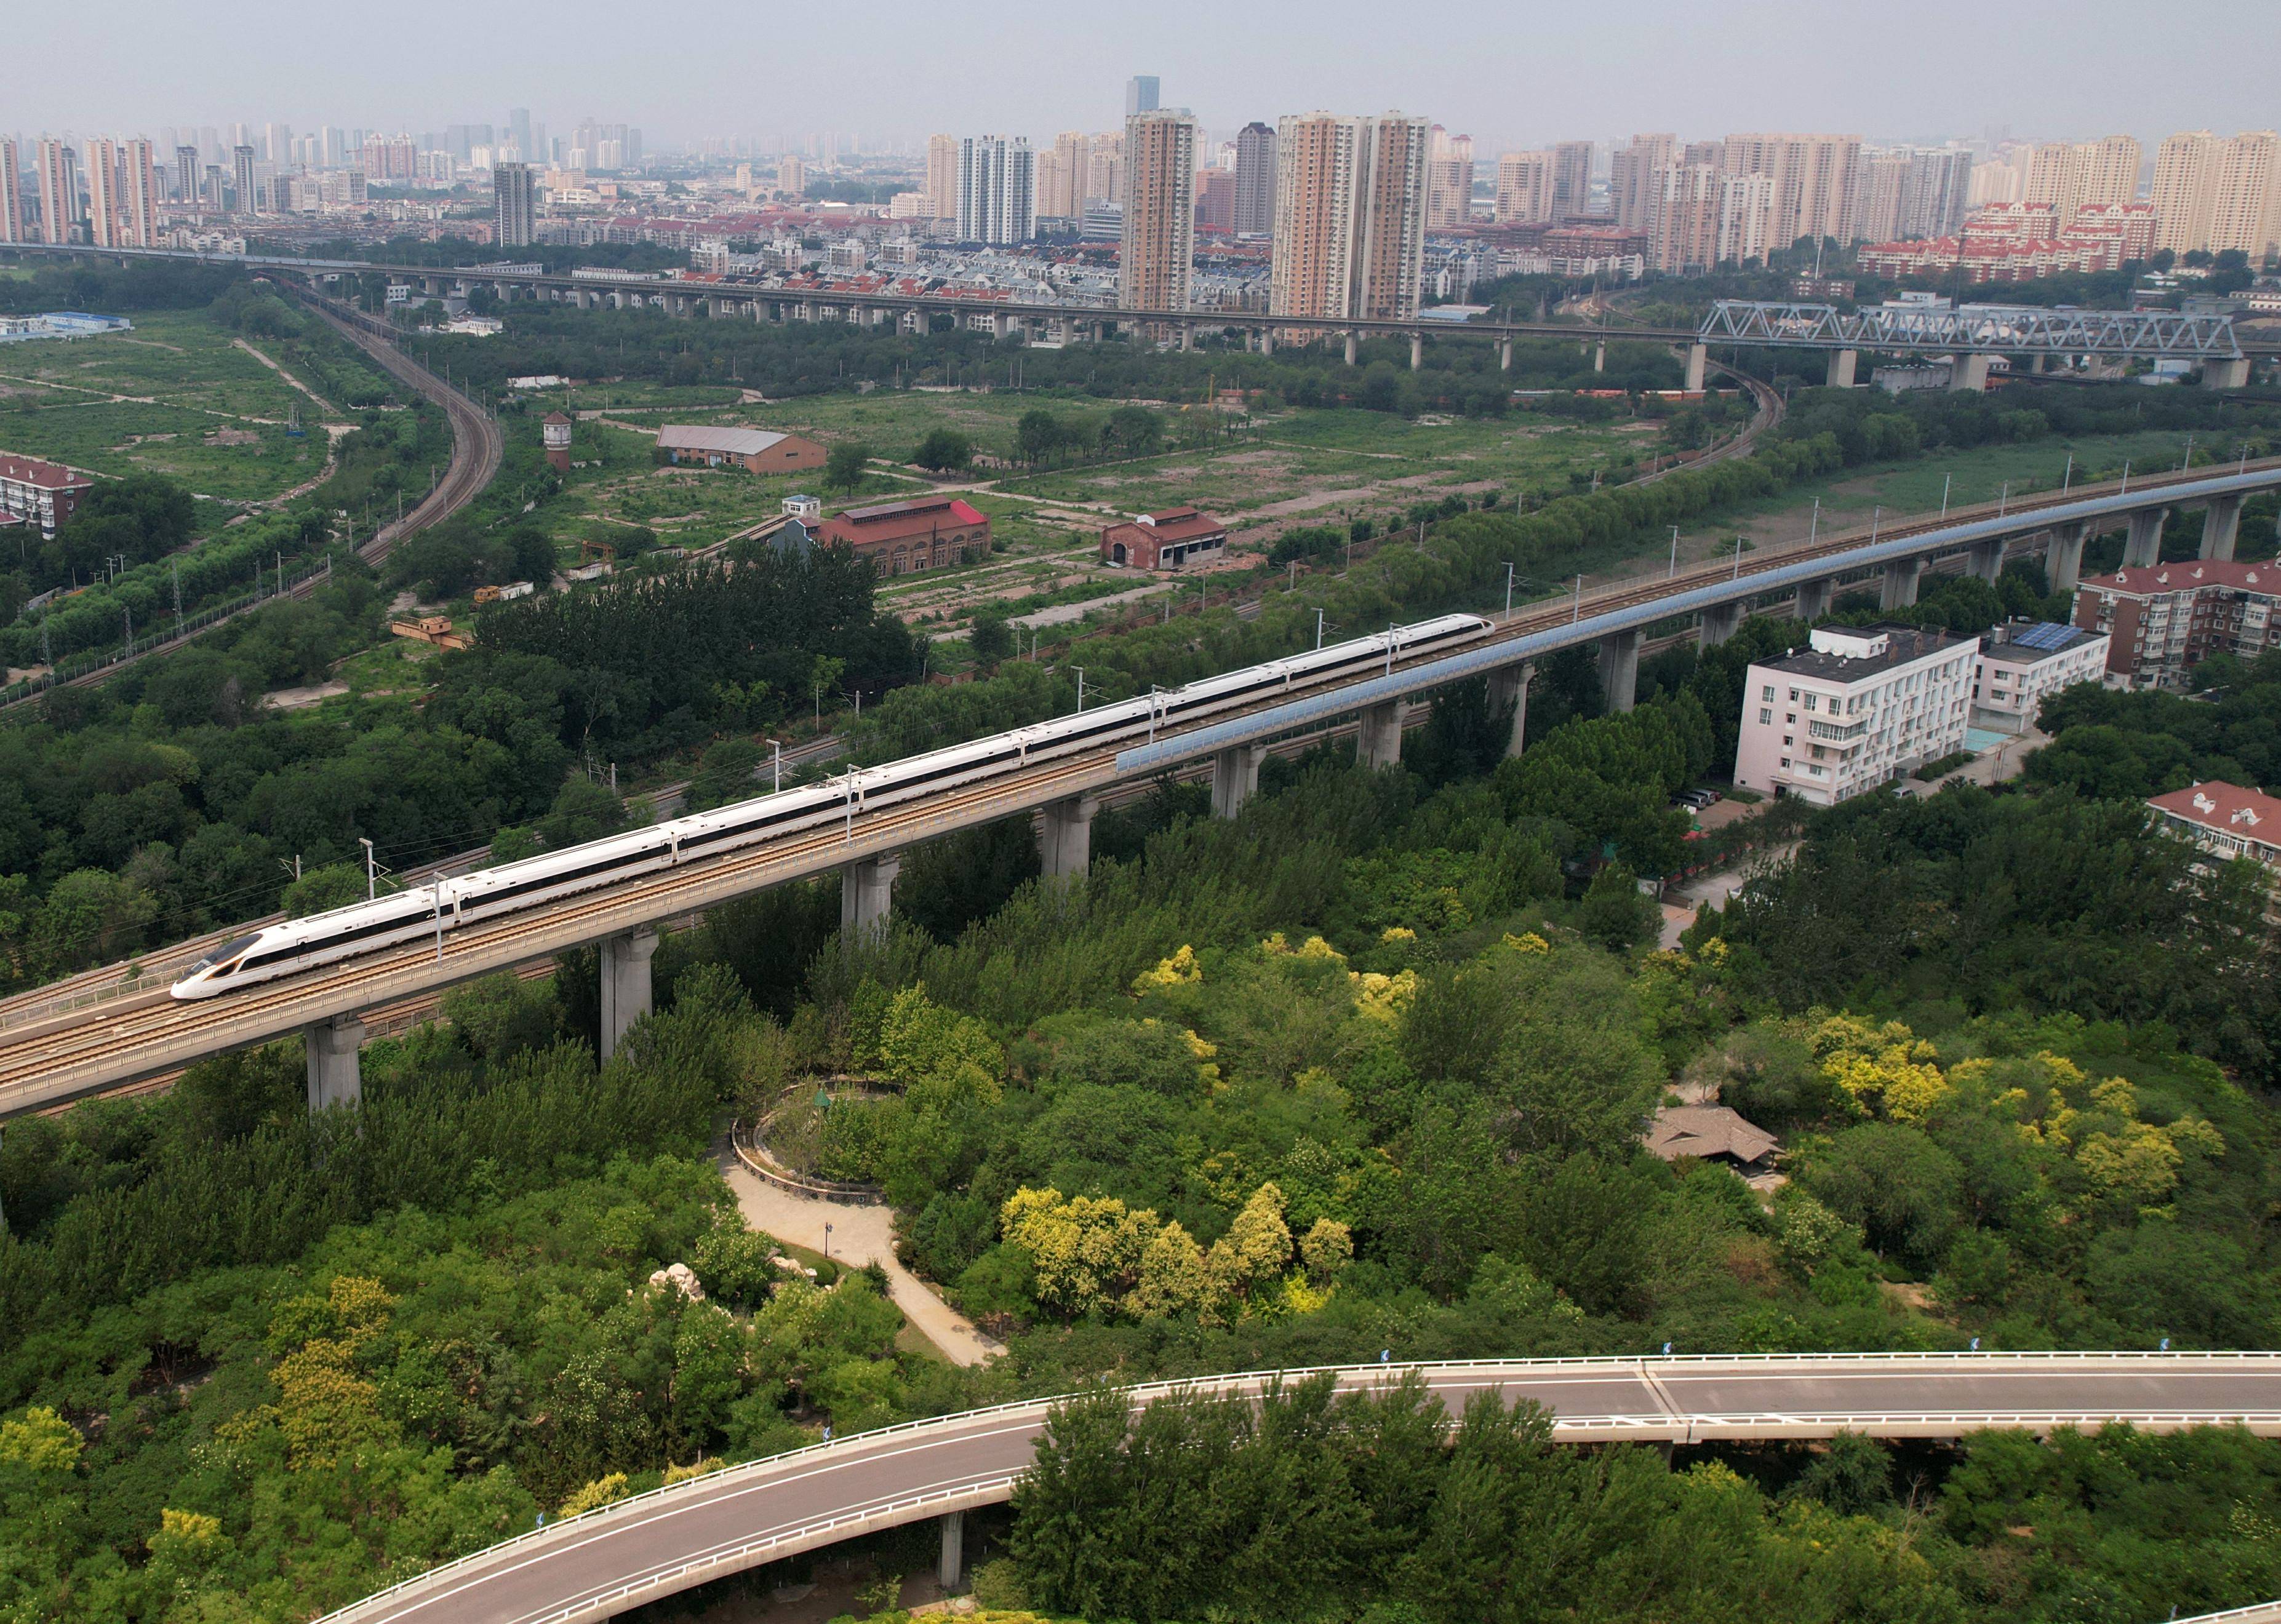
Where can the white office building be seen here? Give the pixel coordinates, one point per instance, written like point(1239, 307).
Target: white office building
point(2022, 663)
point(997, 190)
point(1859, 707)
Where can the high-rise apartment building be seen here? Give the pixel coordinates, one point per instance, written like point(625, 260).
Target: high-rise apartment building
point(1061, 176)
point(249, 196)
point(1572, 178)
point(1524, 188)
point(2213, 193)
point(997, 190)
point(1913, 192)
point(1156, 256)
point(1255, 179)
point(138, 194)
point(186, 174)
point(1632, 172)
point(2074, 175)
point(1349, 216)
point(522, 137)
point(942, 176)
point(1448, 180)
point(12, 224)
point(103, 209)
point(1215, 200)
point(1816, 182)
point(792, 177)
point(1746, 213)
point(1104, 168)
point(1140, 93)
point(513, 205)
point(1682, 218)
point(59, 190)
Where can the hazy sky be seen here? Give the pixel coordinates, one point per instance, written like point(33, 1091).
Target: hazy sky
point(1511, 74)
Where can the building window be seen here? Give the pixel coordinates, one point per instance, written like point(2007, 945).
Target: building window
point(1766, 719)
point(1766, 693)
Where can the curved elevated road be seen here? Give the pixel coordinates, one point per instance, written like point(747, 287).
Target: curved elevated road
point(599, 1565)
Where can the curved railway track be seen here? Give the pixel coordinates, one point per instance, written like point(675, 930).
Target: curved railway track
point(478, 448)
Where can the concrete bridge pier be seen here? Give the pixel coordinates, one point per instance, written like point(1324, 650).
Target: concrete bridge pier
point(1842, 363)
point(1504, 353)
point(2228, 374)
point(1619, 669)
point(625, 984)
point(1267, 341)
point(1699, 359)
point(1985, 561)
point(1509, 691)
point(999, 326)
point(1351, 349)
point(867, 890)
point(2221, 523)
point(1900, 588)
point(1717, 624)
point(1813, 600)
point(1417, 350)
point(334, 1079)
point(950, 1568)
point(2063, 555)
point(1187, 336)
point(2142, 548)
point(1379, 742)
point(1065, 836)
point(1600, 356)
point(1969, 372)
point(1234, 778)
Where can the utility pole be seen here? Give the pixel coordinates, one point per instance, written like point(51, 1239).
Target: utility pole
point(1674, 570)
point(1508, 575)
point(371, 873)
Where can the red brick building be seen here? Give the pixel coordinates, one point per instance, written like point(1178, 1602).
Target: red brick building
point(755, 450)
point(1164, 541)
point(2166, 618)
point(45, 494)
point(903, 537)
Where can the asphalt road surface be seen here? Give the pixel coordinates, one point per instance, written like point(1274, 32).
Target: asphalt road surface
point(597, 1565)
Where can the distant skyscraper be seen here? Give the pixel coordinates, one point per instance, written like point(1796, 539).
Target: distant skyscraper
point(249, 196)
point(1524, 188)
point(58, 191)
point(1157, 258)
point(103, 209)
point(512, 203)
point(942, 176)
point(1349, 216)
point(12, 195)
point(519, 132)
point(2072, 176)
point(1255, 179)
point(792, 177)
point(1816, 183)
point(1572, 178)
point(1632, 172)
point(1448, 180)
point(1140, 93)
point(1060, 184)
point(2213, 193)
point(186, 174)
point(138, 194)
point(997, 190)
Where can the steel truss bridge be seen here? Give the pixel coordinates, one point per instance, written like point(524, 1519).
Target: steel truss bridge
point(2112, 333)
point(1975, 329)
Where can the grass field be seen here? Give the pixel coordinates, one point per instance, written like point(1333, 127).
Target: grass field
point(171, 359)
point(232, 458)
point(1851, 497)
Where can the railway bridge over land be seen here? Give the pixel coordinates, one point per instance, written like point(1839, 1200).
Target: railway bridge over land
point(87, 1042)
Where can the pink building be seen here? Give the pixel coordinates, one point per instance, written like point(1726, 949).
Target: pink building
point(1860, 706)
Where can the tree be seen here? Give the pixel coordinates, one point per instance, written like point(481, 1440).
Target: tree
point(990, 638)
point(944, 450)
point(845, 465)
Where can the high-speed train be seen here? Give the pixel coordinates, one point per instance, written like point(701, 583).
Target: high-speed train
point(433, 911)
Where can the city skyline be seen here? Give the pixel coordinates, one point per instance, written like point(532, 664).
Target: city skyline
point(1790, 68)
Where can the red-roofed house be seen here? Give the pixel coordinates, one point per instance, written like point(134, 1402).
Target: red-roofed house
point(2164, 618)
point(2225, 819)
point(1164, 541)
point(901, 537)
point(42, 493)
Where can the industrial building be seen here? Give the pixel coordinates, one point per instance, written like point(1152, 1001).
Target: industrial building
point(904, 537)
point(1167, 540)
point(755, 450)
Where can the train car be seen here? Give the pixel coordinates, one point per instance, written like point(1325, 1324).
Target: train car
point(448, 904)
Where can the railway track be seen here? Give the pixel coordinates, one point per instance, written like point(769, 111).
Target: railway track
point(478, 448)
point(44, 1060)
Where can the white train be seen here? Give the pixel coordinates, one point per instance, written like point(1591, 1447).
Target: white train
point(432, 910)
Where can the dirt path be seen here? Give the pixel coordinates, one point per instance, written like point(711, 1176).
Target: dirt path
point(329, 409)
point(860, 1235)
